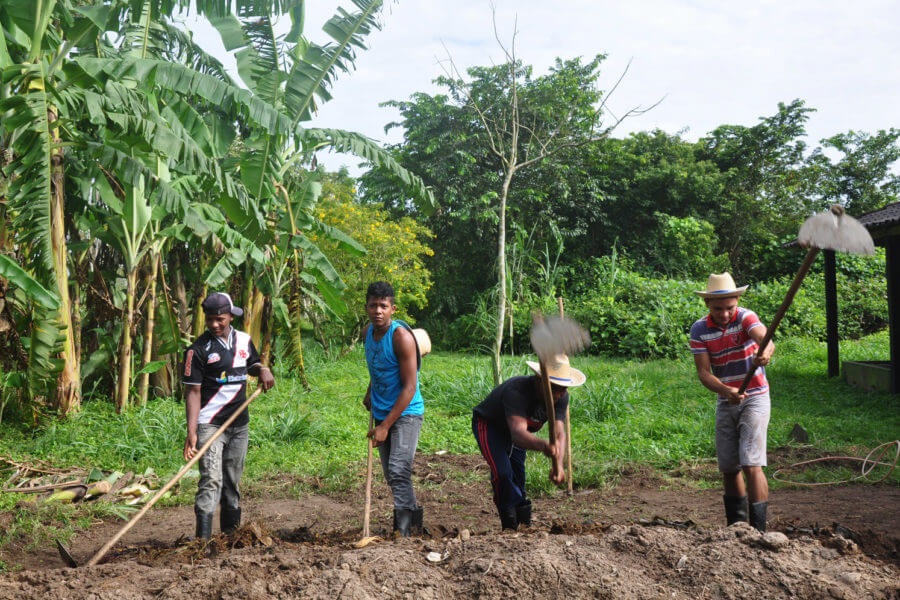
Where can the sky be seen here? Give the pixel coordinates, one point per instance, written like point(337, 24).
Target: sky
point(711, 62)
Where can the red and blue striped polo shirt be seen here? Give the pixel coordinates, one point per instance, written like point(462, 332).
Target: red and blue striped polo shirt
point(730, 350)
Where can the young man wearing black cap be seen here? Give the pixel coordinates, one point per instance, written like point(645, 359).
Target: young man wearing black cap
point(216, 367)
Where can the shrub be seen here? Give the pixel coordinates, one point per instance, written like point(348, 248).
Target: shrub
point(631, 314)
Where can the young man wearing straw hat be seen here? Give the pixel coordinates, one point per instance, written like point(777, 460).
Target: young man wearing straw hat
point(725, 345)
point(216, 367)
point(504, 425)
point(392, 354)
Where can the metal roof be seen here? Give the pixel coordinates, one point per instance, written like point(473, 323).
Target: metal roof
point(882, 217)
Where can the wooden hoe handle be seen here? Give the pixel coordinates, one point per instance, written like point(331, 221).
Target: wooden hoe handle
point(366, 532)
point(785, 304)
point(102, 552)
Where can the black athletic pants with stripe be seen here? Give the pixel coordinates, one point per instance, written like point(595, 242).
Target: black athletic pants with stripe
point(506, 462)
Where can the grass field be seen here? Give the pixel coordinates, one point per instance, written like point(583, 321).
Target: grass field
point(650, 412)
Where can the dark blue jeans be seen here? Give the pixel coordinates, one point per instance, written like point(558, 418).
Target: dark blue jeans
point(506, 462)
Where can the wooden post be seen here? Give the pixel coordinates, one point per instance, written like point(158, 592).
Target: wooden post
point(892, 265)
point(569, 489)
point(831, 314)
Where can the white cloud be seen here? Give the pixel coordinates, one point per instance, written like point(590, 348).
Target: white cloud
point(716, 62)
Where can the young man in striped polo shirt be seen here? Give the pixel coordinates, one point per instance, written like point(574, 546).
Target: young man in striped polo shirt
point(725, 345)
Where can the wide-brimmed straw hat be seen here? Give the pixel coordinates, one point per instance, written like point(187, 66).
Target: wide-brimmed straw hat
point(721, 285)
point(423, 341)
point(559, 371)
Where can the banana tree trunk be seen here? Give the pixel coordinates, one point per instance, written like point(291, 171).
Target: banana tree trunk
point(68, 384)
point(149, 324)
point(266, 330)
point(253, 319)
point(124, 384)
point(297, 337)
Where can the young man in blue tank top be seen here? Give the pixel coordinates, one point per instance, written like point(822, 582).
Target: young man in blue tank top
point(394, 399)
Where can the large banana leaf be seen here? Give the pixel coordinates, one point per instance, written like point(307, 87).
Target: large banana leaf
point(367, 149)
point(11, 270)
point(315, 67)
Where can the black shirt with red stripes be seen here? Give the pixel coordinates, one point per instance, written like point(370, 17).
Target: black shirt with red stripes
point(219, 366)
point(519, 396)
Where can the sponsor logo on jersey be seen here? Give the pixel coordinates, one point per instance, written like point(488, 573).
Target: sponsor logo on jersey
point(214, 357)
point(187, 363)
point(242, 353)
point(222, 378)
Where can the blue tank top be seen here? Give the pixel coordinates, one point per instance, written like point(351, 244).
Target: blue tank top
point(384, 374)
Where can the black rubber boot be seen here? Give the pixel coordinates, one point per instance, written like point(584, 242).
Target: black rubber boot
point(204, 525)
point(229, 518)
point(418, 527)
point(508, 519)
point(523, 513)
point(758, 515)
point(735, 508)
point(403, 518)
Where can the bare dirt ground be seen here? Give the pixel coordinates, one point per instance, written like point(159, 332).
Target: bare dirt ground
point(648, 537)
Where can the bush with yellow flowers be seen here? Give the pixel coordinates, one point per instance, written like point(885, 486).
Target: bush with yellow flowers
point(396, 250)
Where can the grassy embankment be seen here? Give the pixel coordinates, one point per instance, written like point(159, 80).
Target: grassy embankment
point(652, 412)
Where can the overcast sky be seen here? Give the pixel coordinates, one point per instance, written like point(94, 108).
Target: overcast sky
point(714, 62)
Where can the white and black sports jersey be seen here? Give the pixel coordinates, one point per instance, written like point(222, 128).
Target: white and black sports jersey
point(219, 367)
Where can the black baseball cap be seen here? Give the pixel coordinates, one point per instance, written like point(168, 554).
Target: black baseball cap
point(219, 303)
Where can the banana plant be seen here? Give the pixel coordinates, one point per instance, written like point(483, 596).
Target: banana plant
point(294, 75)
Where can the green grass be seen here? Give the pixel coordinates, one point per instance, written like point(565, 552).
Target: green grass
point(650, 412)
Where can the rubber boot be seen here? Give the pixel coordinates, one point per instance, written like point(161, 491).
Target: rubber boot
point(523, 513)
point(758, 515)
point(735, 508)
point(204, 525)
point(403, 518)
point(508, 519)
point(229, 518)
point(418, 526)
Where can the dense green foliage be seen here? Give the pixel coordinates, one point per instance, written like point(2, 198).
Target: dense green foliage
point(636, 312)
point(675, 208)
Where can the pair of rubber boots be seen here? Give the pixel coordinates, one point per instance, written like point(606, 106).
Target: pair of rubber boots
point(738, 509)
point(511, 518)
point(229, 520)
point(408, 521)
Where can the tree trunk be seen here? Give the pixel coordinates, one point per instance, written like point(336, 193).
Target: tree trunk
point(68, 384)
point(178, 288)
point(199, 319)
point(149, 324)
point(297, 339)
point(254, 314)
point(501, 277)
point(265, 327)
point(124, 385)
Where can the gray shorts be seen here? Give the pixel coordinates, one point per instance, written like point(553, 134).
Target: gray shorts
point(741, 433)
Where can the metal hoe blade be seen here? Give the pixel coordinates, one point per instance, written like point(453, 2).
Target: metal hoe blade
point(558, 335)
point(836, 230)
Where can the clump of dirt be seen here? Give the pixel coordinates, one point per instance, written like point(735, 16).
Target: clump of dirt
point(580, 561)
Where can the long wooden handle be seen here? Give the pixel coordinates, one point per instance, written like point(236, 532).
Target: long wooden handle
point(785, 304)
point(562, 313)
point(102, 552)
point(548, 403)
point(368, 480)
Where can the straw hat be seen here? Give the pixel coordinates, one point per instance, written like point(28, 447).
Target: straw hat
point(422, 341)
point(721, 285)
point(559, 371)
